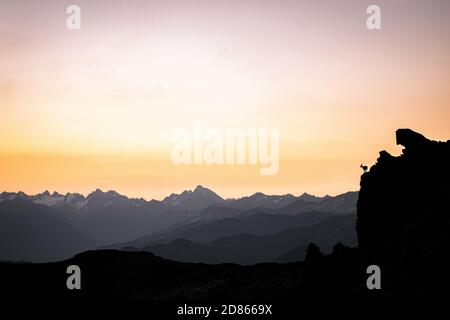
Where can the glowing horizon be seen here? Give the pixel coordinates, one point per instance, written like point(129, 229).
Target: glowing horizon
point(95, 108)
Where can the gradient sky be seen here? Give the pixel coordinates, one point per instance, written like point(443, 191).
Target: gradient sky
point(96, 107)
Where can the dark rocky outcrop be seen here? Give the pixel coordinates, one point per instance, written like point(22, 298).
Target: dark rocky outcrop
point(403, 205)
point(403, 226)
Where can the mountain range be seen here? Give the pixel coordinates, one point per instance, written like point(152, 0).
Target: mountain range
point(246, 248)
point(101, 219)
point(402, 227)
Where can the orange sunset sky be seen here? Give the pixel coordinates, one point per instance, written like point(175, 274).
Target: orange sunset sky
point(96, 107)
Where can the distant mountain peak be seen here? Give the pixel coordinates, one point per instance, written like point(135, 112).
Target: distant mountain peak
point(199, 188)
point(98, 192)
point(258, 194)
point(113, 193)
point(199, 198)
point(309, 197)
point(100, 199)
point(69, 196)
point(110, 193)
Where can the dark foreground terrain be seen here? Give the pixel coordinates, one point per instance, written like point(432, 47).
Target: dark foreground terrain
point(111, 274)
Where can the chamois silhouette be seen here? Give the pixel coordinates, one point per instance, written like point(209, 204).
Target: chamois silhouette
point(364, 168)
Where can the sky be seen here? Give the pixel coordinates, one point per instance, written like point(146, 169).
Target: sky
point(96, 107)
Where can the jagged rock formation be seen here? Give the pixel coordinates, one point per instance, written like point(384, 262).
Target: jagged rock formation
point(403, 226)
point(403, 205)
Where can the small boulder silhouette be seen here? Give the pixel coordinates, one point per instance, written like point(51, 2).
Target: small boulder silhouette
point(313, 253)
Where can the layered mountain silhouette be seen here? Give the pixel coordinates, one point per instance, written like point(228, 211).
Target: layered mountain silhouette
point(103, 218)
point(35, 232)
point(402, 227)
point(245, 248)
point(215, 222)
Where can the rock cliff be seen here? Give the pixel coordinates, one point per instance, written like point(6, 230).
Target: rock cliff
point(404, 203)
